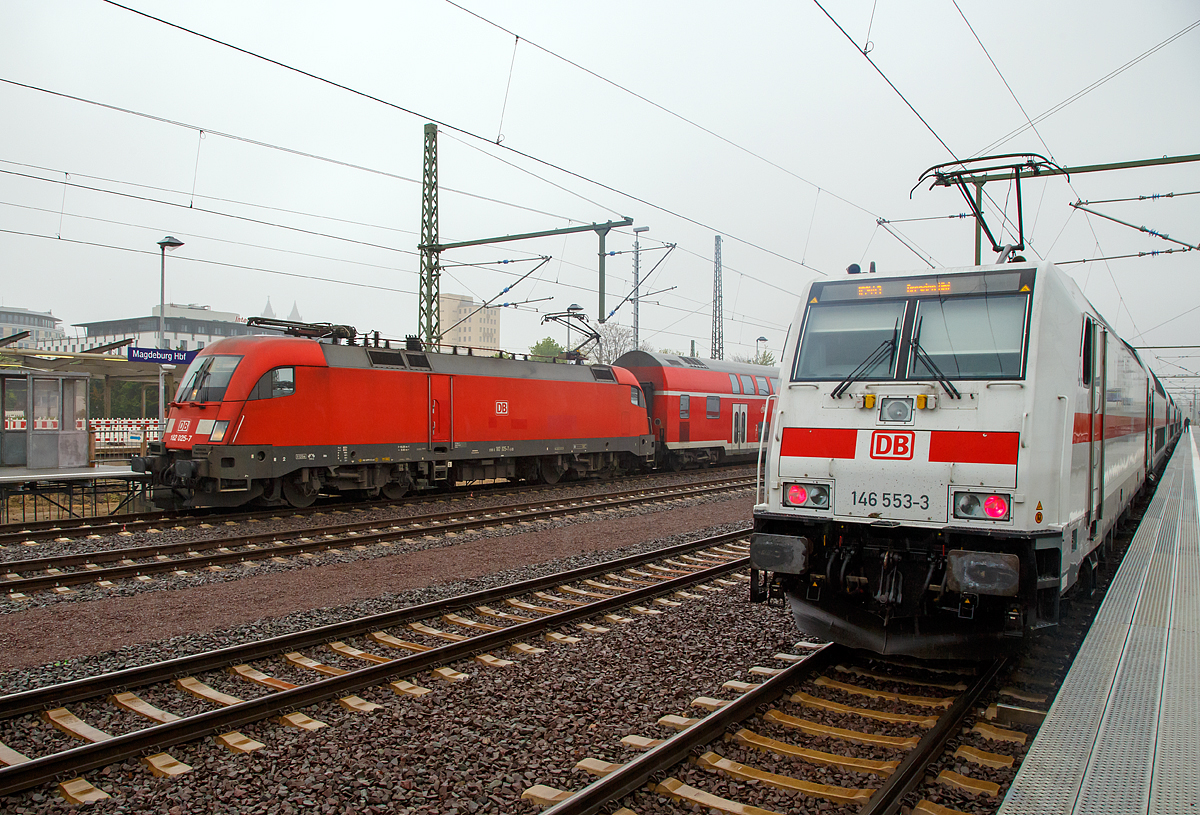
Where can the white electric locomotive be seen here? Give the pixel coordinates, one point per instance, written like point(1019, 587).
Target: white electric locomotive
point(949, 454)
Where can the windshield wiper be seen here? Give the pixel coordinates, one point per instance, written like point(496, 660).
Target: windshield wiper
point(885, 349)
point(924, 358)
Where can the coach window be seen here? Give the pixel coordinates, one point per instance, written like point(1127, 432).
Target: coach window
point(734, 383)
point(713, 408)
point(747, 384)
point(274, 383)
point(684, 405)
point(762, 385)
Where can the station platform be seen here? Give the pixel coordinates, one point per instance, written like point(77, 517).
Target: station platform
point(43, 494)
point(25, 475)
point(1123, 734)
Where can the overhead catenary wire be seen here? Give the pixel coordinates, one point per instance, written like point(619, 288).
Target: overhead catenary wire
point(442, 124)
point(185, 259)
point(1157, 196)
point(267, 146)
point(1085, 91)
point(656, 105)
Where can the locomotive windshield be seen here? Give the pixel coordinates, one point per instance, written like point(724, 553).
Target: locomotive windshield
point(973, 337)
point(956, 327)
point(838, 338)
point(206, 378)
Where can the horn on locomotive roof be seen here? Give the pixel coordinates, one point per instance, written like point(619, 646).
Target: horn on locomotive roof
point(311, 330)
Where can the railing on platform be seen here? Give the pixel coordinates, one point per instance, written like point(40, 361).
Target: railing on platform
point(121, 438)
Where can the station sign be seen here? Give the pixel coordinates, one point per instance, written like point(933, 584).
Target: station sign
point(162, 356)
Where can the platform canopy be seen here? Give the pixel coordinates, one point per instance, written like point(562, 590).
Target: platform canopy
point(97, 365)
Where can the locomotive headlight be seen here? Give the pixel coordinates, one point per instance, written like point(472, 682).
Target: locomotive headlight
point(813, 496)
point(981, 506)
point(892, 409)
point(218, 431)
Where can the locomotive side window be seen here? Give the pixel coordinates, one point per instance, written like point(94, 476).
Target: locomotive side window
point(748, 384)
point(713, 408)
point(735, 384)
point(274, 383)
point(635, 396)
point(970, 337)
point(684, 406)
point(840, 338)
point(1087, 351)
point(207, 378)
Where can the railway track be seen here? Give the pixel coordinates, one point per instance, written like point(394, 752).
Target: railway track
point(27, 575)
point(33, 531)
point(498, 619)
point(699, 743)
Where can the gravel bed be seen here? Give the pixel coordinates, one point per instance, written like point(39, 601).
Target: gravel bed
point(472, 746)
point(115, 632)
point(85, 592)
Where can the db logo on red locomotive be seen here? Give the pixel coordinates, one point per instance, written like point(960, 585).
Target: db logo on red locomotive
point(892, 444)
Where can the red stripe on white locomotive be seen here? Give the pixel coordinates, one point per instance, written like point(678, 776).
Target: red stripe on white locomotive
point(951, 446)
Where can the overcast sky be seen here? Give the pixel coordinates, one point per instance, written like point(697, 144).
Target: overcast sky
point(767, 125)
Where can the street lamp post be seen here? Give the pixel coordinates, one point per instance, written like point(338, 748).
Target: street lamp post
point(757, 352)
point(163, 245)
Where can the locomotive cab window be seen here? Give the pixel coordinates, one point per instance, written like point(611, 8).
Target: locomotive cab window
point(274, 383)
point(635, 396)
point(839, 338)
point(206, 378)
point(970, 337)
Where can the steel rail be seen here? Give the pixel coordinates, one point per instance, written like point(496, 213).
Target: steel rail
point(886, 800)
point(159, 737)
point(632, 775)
point(50, 696)
point(133, 552)
point(40, 582)
point(17, 532)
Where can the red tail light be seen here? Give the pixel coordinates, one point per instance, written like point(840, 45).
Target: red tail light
point(797, 494)
point(996, 506)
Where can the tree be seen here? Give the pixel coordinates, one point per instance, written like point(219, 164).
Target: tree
point(546, 350)
point(765, 358)
point(615, 340)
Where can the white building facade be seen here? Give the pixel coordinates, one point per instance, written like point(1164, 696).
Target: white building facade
point(42, 327)
point(471, 327)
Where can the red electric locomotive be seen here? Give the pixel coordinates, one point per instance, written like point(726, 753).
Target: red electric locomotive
point(704, 410)
point(281, 419)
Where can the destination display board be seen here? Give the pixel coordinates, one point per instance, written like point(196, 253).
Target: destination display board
point(863, 287)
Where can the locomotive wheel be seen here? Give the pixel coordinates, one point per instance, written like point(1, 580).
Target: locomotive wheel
point(674, 462)
point(551, 472)
point(300, 493)
point(394, 491)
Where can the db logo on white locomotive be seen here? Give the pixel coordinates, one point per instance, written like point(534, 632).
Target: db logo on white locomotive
point(501, 408)
point(892, 444)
